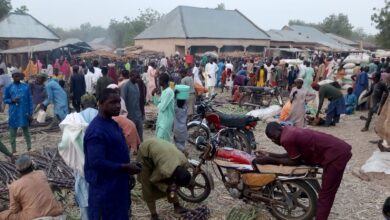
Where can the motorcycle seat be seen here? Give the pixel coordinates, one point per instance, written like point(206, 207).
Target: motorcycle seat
point(284, 170)
point(235, 121)
point(255, 89)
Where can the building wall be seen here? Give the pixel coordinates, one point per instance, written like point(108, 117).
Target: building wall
point(168, 45)
point(22, 43)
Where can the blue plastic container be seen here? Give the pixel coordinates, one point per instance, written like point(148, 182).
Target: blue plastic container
point(183, 92)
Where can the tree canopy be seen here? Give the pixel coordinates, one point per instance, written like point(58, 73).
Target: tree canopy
point(22, 9)
point(338, 24)
point(381, 18)
point(120, 32)
point(5, 7)
point(221, 6)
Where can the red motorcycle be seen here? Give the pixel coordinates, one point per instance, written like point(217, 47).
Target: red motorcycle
point(237, 129)
point(289, 192)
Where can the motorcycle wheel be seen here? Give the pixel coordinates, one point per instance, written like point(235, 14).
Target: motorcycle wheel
point(198, 190)
point(303, 197)
point(237, 140)
point(194, 131)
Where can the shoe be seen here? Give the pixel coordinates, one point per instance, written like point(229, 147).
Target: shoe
point(364, 129)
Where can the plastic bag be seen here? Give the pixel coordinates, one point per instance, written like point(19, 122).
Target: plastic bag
point(41, 116)
point(379, 162)
point(265, 113)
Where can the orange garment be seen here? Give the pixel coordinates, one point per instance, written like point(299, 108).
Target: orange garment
point(31, 70)
point(199, 89)
point(31, 197)
point(285, 111)
point(129, 131)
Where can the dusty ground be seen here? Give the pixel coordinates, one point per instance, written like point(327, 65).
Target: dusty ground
point(356, 199)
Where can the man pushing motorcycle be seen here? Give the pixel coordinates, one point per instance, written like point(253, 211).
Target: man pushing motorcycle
point(305, 146)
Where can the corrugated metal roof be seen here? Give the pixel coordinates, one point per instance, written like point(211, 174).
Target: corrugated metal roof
point(319, 37)
point(289, 36)
point(24, 26)
point(48, 46)
point(341, 39)
point(192, 22)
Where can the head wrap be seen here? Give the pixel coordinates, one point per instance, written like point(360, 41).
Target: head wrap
point(23, 163)
point(314, 85)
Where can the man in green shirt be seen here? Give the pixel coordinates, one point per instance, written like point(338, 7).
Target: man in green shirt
point(336, 105)
point(163, 170)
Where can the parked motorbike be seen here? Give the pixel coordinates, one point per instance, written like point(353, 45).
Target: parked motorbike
point(259, 97)
point(239, 132)
point(289, 192)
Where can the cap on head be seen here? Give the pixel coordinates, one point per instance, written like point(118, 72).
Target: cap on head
point(113, 86)
point(88, 100)
point(23, 163)
point(42, 75)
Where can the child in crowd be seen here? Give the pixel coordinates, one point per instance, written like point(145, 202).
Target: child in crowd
point(350, 101)
point(180, 133)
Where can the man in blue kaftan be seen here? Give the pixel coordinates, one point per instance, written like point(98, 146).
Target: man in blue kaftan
point(17, 95)
point(56, 96)
point(107, 163)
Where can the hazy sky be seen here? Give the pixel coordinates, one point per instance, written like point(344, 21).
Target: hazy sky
point(267, 14)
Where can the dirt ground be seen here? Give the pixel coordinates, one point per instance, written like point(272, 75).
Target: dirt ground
point(356, 198)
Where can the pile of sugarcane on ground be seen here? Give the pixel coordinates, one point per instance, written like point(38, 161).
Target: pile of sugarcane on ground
point(35, 127)
point(59, 174)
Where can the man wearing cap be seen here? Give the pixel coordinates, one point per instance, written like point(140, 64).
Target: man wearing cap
point(336, 105)
point(30, 195)
point(71, 148)
point(17, 95)
point(305, 146)
point(163, 170)
point(56, 96)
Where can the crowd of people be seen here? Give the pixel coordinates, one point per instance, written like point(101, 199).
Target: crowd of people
point(101, 112)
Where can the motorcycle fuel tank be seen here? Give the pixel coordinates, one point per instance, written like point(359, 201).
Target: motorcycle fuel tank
point(233, 158)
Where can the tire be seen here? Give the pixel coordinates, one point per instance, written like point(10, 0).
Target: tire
point(237, 140)
point(186, 194)
point(196, 130)
point(305, 192)
point(314, 184)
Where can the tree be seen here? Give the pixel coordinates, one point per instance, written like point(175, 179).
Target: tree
point(221, 6)
point(5, 7)
point(300, 22)
point(337, 24)
point(86, 32)
point(21, 10)
point(122, 33)
point(381, 18)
